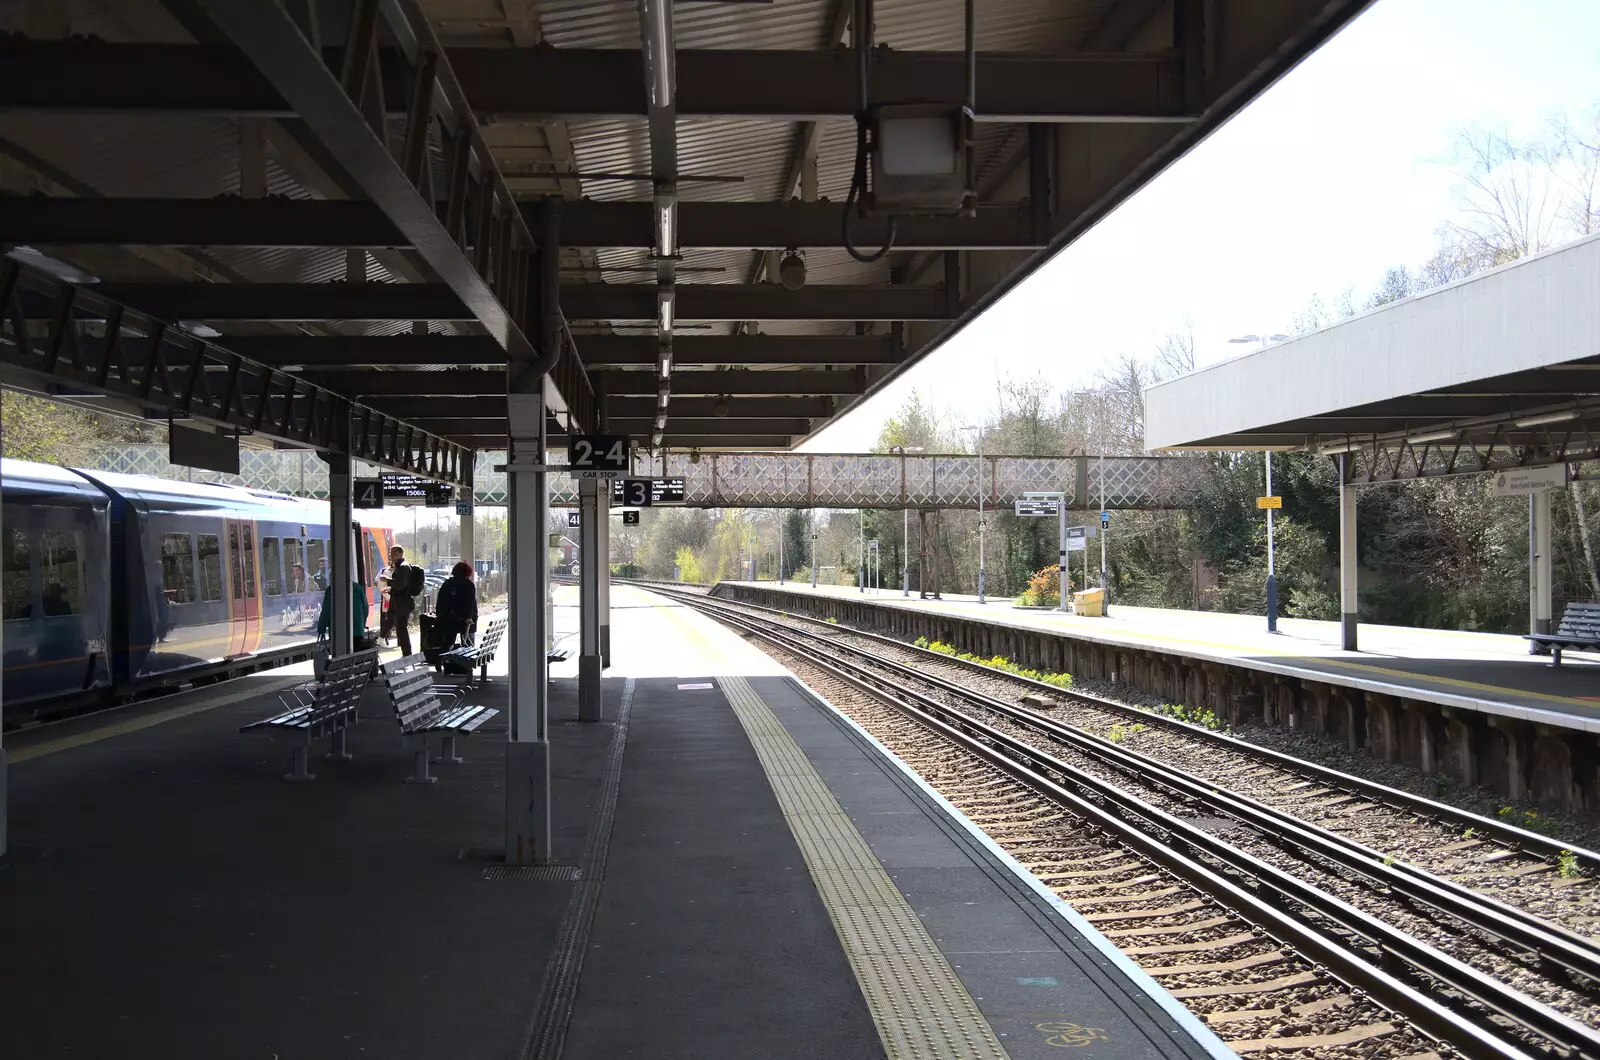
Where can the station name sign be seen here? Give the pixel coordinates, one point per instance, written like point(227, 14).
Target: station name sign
point(1520, 480)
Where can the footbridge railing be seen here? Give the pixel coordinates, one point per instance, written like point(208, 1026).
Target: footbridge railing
point(776, 480)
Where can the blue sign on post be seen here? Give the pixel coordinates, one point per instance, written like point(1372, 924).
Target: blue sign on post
point(464, 507)
point(1105, 519)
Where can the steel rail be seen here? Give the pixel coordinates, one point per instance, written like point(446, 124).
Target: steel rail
point(1339, 959)
point(1507, 1002)
point(1549, 942)
point(1528, 841)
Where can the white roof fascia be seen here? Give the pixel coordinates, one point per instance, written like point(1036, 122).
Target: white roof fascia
point(1531, 313)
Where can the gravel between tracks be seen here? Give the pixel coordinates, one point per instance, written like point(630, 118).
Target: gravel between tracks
point(1269, 996)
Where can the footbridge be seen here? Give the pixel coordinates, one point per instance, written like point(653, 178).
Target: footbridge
point(777, 480)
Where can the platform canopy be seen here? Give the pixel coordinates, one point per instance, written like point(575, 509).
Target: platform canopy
point(394, 202)
point(1494, 372)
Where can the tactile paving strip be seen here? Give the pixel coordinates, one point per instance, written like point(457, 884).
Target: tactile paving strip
point(921, 1008)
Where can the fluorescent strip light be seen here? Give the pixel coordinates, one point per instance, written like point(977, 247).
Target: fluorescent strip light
point(1432, 436)
point(661, 421)
point(666, 364)
point(666, 229)
point(662, 57)
point(1335, 448)
point(1548, 417)
point(664, 306)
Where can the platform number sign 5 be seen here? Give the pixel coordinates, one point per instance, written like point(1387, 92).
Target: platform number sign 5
point(368, 493)
point(636, 493)
point(630, 518)
point(598, 452)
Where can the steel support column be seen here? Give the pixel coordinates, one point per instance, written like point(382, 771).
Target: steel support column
point(528, 578)
point(604, 526)
point(1540, 586)
point(341, 542)
point(1348, 561)
point(589, 560)
point(468, 545)
point(4, 781)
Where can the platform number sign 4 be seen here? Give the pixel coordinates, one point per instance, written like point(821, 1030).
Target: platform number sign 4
point(368, 492)
point(602, 453)
point(636, 493)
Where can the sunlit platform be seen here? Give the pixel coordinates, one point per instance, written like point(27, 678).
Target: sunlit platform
point(737, 871)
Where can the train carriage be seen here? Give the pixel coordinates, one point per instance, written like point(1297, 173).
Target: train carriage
point(115, 584)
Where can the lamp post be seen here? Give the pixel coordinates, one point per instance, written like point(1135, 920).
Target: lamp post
point(980, 428)
point(905, 522)
point(861, 547)
point(1272, 568)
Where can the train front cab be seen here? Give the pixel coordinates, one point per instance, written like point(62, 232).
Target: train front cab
point(53, 588)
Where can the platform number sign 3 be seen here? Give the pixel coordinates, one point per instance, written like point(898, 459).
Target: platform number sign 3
point(636, 493)
point(598, 452)
point(368, 493)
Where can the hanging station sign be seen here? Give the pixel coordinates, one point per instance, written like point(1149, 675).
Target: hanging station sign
point(414, 489)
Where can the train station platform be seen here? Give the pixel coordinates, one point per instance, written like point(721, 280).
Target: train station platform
point(1473, 705)
point(738, 871)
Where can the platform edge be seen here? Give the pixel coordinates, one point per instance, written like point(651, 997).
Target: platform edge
point(1202, 1035)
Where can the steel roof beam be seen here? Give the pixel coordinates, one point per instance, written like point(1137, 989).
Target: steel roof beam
point(610, 351)
point(468, 383)
point(590, 224)
point(761, 301)
point(775, 384)
point(330, 99)
point(437, 302)
point(631, 426)
point(77, 76)
point(810, 225)
point(733, 408)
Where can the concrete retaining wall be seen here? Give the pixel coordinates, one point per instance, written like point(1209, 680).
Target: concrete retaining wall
point(1520, 759)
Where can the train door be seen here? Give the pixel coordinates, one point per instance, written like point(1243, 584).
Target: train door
point(244, 603)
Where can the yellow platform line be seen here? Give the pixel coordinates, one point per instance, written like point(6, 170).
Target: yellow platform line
point(144, 721)
point(920, 1006)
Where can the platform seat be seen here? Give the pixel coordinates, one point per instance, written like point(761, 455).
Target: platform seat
point(423, 709)
point(477, 656)
point(325, 708)
point(1579, 629)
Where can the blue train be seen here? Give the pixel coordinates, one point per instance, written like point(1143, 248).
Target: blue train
point(114, 585)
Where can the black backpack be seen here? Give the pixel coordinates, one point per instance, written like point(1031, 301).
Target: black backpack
point(416, 583)
point(450, 604)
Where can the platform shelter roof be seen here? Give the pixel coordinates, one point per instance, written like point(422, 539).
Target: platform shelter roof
point(1497, 371)
point(414, 199)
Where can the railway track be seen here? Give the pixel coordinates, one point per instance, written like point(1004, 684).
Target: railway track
point(1226, 900)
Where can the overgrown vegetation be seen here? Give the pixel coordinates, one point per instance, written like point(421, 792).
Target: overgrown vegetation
point(1530, 820)
point(998, 662)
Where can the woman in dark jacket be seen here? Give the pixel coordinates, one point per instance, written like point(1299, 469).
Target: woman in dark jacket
point(456, 606)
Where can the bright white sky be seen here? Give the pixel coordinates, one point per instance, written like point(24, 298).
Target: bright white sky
point(1325, 181)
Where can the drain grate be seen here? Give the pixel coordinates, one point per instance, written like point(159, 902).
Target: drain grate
point(534, 873)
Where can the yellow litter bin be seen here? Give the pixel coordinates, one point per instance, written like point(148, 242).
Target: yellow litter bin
point(1089, 602)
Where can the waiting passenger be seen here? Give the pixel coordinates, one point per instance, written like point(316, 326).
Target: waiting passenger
point(456, 606)
point(405, 583)
point(358, 613)
point(55, 600)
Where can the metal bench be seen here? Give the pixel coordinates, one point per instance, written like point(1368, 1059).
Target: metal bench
point(1579, 629)
point(423, 709)
point(480, 655)
point(322, 709)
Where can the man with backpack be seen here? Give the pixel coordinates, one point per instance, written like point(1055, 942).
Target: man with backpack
point(406, 583)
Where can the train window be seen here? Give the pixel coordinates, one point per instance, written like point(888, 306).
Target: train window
point(317, 562)
point(61, 565)
point(375, 562)
point(271, 576)
point(177, 568)
point(210, 548)
point(16, 595)
point(294, 564)
point(248, 555)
